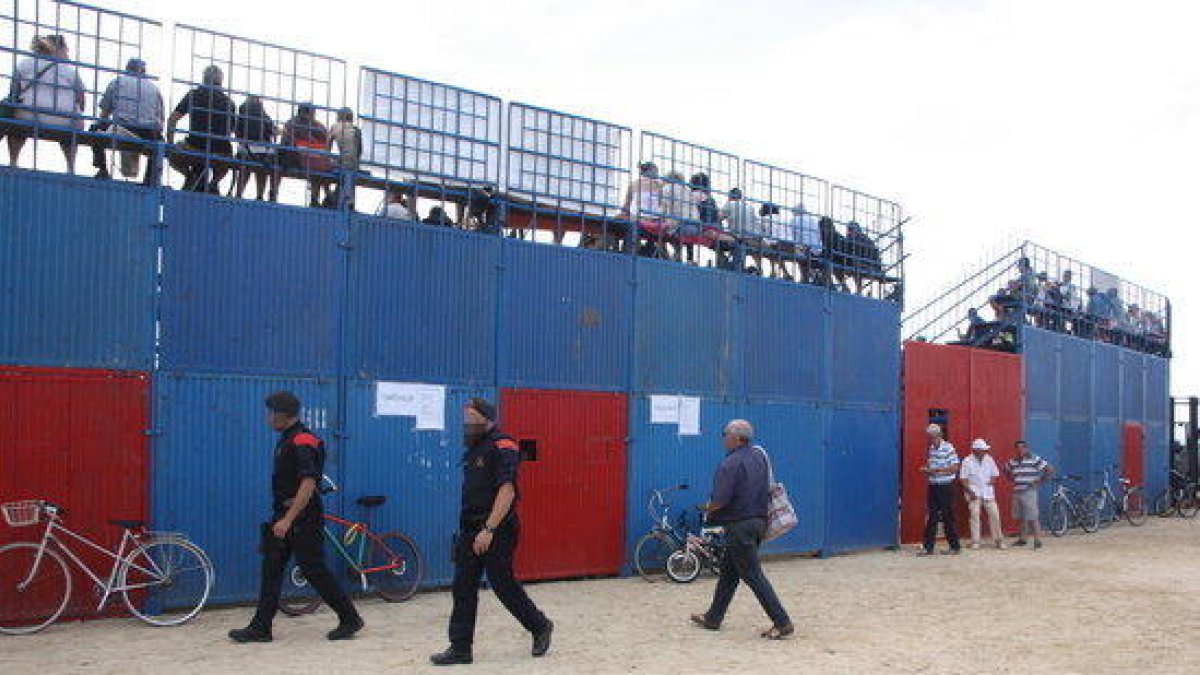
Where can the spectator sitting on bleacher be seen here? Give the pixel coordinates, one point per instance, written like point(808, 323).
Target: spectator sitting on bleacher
point(395, 205)
point(644, 207)
point(347, 138)
point(483, 210)
point(834, 245)
point(864, 252)
point(1071, 301)
point(134, 105)
point(776, 240)
point(807, 233)
point(438, 216)
point(681, 210)
point(740, 221)
point(306, 141)
point(46, 92)
point(256, 132)
point(211, 114)
point(710, 221)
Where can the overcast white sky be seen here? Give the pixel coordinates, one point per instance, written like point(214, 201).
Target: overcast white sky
point(1072, 122)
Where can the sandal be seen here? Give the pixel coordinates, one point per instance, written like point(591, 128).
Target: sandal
point(778, 632)
point(703, 622)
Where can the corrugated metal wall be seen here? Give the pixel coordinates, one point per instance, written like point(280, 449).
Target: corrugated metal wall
point(796, 437)
point(565, 319)
point(785, 345)
point(212, 464)
point(421, 303)
point(76, 438)
point(250, 288)
point(1100, 388)
point(77, 272)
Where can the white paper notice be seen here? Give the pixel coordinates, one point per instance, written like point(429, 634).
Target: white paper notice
point(689, 416)
point(664, 409)
point(431, 414)
point(396, 398)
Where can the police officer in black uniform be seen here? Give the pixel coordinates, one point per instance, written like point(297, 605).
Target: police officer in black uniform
point(487, 536)
point(295, 527)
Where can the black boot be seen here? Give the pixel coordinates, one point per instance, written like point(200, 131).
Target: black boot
point(451, 657)
point(541, 639)
point(250, 633)
point(346, 628)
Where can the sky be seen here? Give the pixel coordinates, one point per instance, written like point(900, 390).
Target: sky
point(1073, 123)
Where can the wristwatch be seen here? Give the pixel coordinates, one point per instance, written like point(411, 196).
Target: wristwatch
point(489, 530)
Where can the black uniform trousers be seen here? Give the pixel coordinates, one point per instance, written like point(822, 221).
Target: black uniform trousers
point(497, 561)
point(940, 505)
point(740, 563)
point(307, 544)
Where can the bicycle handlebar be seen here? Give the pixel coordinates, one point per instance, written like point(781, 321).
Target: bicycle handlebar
point(332, 487)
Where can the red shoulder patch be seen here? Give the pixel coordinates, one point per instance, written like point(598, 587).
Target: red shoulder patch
point(306, 439)
point(507, 444)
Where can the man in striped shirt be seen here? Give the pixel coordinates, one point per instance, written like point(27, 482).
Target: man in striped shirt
point(1027, 472)
point(942, 469)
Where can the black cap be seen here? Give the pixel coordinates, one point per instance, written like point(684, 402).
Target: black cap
point(483, 407)
point(284, 402)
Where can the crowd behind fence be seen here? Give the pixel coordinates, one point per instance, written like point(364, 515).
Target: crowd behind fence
point(1034, 286)
point(241, 118)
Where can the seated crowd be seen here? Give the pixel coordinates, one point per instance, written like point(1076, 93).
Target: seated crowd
point(1036, 299)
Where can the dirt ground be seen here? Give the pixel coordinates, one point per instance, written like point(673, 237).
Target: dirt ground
point(1124, 599)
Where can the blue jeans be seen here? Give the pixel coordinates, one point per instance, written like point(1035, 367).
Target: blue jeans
point(741, 563)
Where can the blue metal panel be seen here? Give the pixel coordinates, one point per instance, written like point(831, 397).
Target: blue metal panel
point(76, 272)
point(1107, 379)
point(1106, 444)
point(783, 331)
point(1075, 450)
point(684, 340)
point(422, 303)
point(865, 350)
point(250, 288)
point(794, 436)
point(418, 471)
point(1156, 457)
point(862, 478)
point(1076, 359)
point(212, 465)
point(1040, 349)
point(566, 318)
point(659, 457)
point(1042, 433)
point(1158, 392)
point(1133, 386)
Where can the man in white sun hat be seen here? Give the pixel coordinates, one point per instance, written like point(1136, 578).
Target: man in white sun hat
point(978, 475)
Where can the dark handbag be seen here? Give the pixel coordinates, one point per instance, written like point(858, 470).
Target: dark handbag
point(10, 104)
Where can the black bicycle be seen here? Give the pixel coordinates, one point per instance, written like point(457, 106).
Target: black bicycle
point(1182, 498)
point(652, 550)
point(1071, 508)
point(706, 549)
point(1130, 503)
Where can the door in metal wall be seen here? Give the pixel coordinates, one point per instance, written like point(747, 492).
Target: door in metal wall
point(572, 504)
point(1133, 453)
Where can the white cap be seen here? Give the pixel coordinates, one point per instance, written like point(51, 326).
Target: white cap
point(933, 429)
point(980, 444)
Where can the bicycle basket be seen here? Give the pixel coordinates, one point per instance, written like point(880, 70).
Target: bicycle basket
point(21, 514)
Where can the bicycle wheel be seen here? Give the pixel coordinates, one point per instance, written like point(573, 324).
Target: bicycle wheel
point(1189, 501)
point(1106, 510)
point(683, 566)
point(1134, 505)
point(399, 566)
point(28, 608)
point(651, 553)
point(1165, 502)
point(1089, 515)
point(297, 597)
point(165, 581)
point(1060, 517)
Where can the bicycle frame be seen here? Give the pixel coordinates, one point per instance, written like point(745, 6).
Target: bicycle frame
point(129, 541)
point(355, 561)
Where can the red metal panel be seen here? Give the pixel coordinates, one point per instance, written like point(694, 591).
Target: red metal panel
point(1133, 445)
point(573, 496)
point(984, 395)
point(76, 438)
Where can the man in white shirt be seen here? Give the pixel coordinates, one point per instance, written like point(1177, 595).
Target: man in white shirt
point(978, 476)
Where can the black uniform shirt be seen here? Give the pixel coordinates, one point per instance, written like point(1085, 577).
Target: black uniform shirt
point(298, 455)
point(487, 465)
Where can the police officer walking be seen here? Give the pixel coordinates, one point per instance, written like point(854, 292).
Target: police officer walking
point(487, 536)
point(296, 525)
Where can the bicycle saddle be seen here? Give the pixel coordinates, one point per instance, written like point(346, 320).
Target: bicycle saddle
point(128, 524)
point(372, 500)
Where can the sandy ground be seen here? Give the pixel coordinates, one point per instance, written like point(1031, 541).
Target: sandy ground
point(1124, 599)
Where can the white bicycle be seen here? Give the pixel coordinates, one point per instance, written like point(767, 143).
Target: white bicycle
point(163, 577)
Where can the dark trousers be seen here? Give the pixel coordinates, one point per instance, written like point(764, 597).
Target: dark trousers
point(152, 169)
point(497, 561)
point(939, 503)
point(741, 563)
point(306, 542)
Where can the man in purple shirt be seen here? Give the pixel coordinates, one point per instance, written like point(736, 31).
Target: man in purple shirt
point(740, 498)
